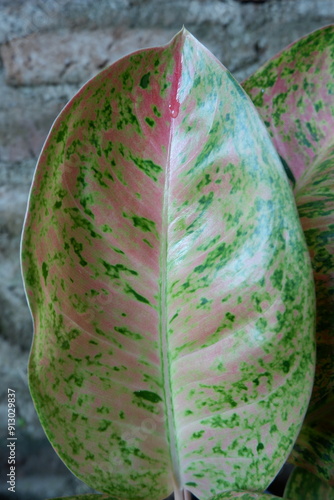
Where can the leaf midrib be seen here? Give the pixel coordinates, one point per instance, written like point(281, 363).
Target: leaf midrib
point(164, 343)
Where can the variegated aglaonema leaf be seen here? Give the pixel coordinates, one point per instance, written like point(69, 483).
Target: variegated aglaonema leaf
point(243, 495)
point(314, 192)
point(303, 485)
point(93, 496)
point(169, 282)
point(295, 95)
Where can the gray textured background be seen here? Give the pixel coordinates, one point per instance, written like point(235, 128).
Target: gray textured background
point(48, 49)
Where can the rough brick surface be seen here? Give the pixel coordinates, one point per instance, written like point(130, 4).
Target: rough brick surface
point(64, 57)
point(24, 134)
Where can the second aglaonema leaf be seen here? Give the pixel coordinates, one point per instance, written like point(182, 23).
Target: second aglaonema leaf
point(294, 95)
point(169, 282)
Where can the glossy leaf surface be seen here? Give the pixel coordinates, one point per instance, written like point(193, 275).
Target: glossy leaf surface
point(306, 71)
point(170, 283)
point(303, 485)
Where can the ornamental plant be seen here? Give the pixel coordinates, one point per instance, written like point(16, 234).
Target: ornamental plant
point(177, 243)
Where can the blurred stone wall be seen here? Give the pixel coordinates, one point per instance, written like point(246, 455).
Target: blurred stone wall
point(48, 49)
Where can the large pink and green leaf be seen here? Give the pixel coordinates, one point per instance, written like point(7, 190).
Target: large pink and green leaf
point(169, 282)
point(294, 93)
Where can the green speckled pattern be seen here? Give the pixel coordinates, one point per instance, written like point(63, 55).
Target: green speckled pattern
point(169, 282)
point(314, 193)
point(302, 485)
point(243, 495)
point(87, 497)
point(306, 71)
point(294, 94)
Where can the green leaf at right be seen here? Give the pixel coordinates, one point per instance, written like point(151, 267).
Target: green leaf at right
point(303, 485)
point(294, 94)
